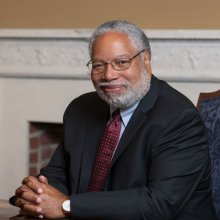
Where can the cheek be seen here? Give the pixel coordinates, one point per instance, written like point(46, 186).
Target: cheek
point(95, 80)
point(132, 76)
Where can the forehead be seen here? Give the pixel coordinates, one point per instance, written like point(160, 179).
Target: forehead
point(112, 44)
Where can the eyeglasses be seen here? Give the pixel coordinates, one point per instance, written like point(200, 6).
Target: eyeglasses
point(99, 66)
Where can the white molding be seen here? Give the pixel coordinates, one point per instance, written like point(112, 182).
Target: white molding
point(45, 33)
point(178, 55)
point(86, 33)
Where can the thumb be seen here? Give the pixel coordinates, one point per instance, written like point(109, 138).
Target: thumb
point(43, 179)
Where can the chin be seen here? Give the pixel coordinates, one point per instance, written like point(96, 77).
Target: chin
point(113, 95)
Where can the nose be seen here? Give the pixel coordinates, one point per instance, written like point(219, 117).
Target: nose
point(110, 73)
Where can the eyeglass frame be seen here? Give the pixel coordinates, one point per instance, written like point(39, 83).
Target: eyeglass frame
point(105, 63)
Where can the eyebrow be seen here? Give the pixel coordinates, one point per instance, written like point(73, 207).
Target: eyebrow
point(117, 57)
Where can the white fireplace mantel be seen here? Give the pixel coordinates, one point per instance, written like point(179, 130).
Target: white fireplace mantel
point(177, 55)
point(41, 71)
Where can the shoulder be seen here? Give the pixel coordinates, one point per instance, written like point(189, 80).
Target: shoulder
point(168, 103)
point(86, 104)
point(171, 98)
point(85, 99)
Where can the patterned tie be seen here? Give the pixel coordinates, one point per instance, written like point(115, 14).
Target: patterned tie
point(105, 152)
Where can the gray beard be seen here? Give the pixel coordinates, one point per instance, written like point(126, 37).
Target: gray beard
point(134, 92)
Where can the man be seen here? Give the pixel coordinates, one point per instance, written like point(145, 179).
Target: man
point(160, 167)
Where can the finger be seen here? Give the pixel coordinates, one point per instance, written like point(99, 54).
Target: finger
point(32, 183)
point(23, 212)
point(22, 189)
point(31, 212)
point(29, 196)
point(43, 179)
point(20, 202)
point(28, 178)
point(33, 209)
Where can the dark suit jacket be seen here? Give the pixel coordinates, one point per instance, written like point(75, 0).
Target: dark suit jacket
point(160, 170)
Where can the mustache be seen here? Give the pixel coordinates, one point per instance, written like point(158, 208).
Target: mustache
point(101, 84)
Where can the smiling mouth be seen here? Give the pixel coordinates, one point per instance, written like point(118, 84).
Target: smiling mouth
point(109, 87)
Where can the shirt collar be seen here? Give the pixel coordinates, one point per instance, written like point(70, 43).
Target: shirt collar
point(126, 113)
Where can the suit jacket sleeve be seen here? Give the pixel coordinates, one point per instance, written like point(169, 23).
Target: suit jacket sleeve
point(57, 170)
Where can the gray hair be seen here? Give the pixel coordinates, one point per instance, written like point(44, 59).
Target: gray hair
point(134, 33)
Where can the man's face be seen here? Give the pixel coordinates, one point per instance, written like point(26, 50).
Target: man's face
point(120, 88)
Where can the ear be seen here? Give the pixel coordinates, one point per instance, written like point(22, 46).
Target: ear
point(147, 63)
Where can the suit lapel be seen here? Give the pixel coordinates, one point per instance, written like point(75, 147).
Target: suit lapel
point(139, 116)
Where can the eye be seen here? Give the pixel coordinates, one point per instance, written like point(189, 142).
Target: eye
point(98, 65)
point(121, 63)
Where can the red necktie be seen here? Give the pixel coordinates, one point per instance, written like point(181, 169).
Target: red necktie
point(105, 152)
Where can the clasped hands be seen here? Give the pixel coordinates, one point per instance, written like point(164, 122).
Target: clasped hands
point(39, 199)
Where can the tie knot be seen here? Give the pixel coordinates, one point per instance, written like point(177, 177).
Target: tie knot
point(115, 121)
point(116, 115)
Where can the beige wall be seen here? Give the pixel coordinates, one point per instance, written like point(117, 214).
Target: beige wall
point(158, 14)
